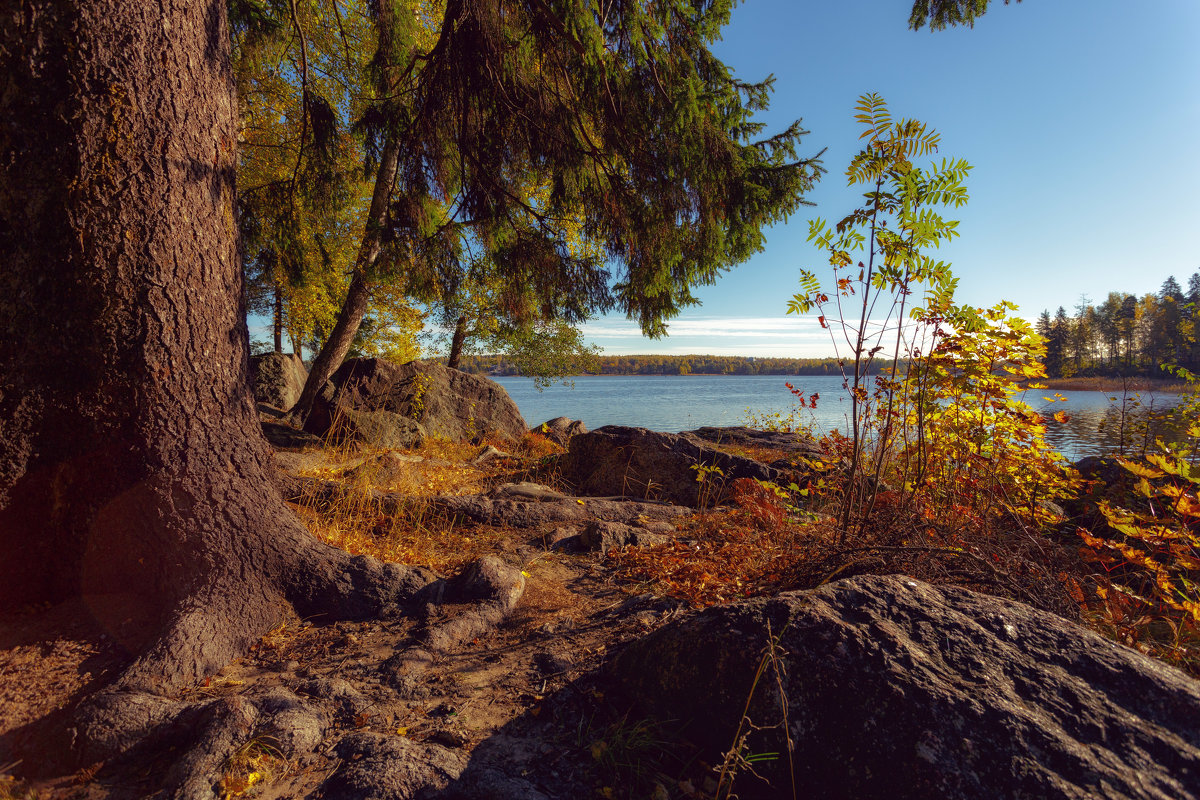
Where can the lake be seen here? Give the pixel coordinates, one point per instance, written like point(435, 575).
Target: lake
point(684, 402)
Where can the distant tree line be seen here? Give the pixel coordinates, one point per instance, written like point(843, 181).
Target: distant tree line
point(674, 365)
point(1125, 335)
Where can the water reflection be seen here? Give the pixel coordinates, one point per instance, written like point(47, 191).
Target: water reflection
point(1101, 424)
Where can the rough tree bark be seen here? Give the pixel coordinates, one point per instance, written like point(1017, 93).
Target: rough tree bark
point(277, 323)
point(132, 470)
point(456, 344)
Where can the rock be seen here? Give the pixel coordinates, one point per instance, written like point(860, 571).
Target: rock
point(526, 490)
point(560, 429)
point(898, 689)
point(489, 783)
point(382, 767)
point(1103, 478)
point(295, 727)
point(1103, 469)
point(487, 455)
point(615, 460)
point(794, 444)
point(349, 701)
point(560, 535)
point(385, 469)
point(391, 405)
point(603, 536)
point(285, 437)
point(278, 379)
point(402, 670)
point(490, 579)
point(553, 662)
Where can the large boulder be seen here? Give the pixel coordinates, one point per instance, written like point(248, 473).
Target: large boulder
point(897, 689)
point(397, 405)
point(636, 462)
point(278, 379)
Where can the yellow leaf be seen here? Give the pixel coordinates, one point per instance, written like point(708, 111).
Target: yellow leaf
point(1139, 470)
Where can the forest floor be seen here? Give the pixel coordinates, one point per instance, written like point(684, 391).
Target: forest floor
point(526, 705)
point(527, 696)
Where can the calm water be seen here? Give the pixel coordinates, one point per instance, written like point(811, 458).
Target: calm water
point(679, 403)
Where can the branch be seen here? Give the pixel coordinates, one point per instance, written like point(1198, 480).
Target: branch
point(303, 91)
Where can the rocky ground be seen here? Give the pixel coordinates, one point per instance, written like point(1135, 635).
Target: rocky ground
point(516, 696)
point(538, 669)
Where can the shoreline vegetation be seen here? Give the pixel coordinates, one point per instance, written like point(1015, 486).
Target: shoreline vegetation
point(1117, 385)
point(716, 366)
point(691, 364)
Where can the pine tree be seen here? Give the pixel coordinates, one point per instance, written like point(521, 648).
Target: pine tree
point(939, 14)
point(629, 116)
point(1170, 290)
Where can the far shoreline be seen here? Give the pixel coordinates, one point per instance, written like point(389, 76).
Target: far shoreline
point(1094, 383)
point(1117, 385)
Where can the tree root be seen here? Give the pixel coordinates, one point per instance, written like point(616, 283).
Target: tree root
point(137, 719)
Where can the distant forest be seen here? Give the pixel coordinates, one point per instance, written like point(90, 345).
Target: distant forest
point(1125, 335)
point(675, 365)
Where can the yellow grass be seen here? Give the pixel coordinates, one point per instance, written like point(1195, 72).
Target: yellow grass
point(355, 522)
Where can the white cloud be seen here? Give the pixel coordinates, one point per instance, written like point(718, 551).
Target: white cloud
point(793, 337)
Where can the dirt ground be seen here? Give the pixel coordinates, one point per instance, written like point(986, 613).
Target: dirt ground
point(525, 703)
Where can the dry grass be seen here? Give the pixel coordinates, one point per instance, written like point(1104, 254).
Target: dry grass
point(354, 521)
point(759, 547)
point(254, 764)
point(12, 788)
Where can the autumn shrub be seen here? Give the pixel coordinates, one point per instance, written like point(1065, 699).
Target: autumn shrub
point(747, 550)
point(966, 443)
point(1148, 594)
point(878, 255)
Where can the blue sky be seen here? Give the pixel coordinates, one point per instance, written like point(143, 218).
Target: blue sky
point(1080, 118)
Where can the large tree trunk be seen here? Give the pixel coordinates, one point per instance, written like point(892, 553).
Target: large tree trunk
point(133, 472)
point(334, 351)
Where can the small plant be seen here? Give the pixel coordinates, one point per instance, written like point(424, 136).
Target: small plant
point(631, 752)
point(12, 788)
point(970, 446)
point(792, 421)
point(878, 256)
point(255, 763)
point(416, 406)
point(710, 490)
point(739, 757)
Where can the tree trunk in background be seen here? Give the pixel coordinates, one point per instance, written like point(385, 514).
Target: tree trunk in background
point(133, 473)
point(334, 350)
point(278, 318)
point(456, 344)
